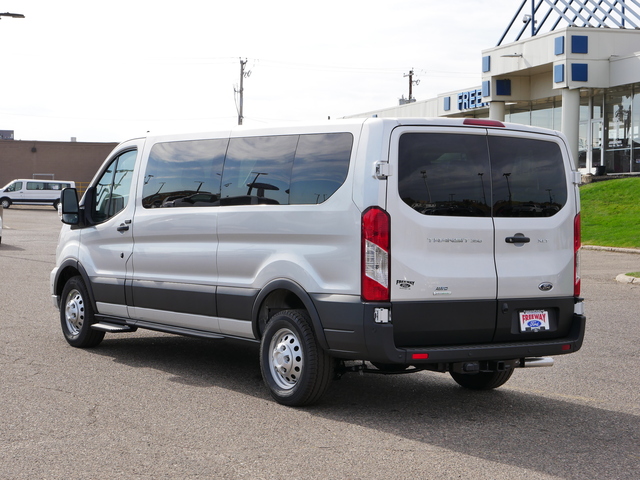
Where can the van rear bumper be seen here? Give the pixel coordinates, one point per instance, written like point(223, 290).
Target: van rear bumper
point(351, 333)
point(381, 347)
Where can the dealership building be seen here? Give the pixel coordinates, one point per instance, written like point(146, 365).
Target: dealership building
point(577, 71)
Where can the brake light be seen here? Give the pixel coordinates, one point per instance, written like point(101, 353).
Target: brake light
point(482, 122)
point(577, 243)
point(376, 240)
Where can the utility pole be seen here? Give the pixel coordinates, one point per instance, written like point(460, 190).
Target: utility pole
point(241, 90)
point(411, 83)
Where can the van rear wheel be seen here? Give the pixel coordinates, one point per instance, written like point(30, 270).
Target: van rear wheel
point(482, 380)
point(294, 367)
point(76, 315)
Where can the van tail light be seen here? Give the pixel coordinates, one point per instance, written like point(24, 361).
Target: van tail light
point(376, 243)
point(577, 243)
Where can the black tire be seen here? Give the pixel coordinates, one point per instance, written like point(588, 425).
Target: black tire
point(77, 316)
point(55, 205)
point(294, 367)
point(482, 380)
point(5, 202)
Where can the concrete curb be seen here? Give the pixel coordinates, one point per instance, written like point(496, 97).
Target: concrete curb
point(612, 249)
point(622, 278)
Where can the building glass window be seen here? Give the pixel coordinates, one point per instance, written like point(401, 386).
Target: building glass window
point(520, 113)
point(583, 144)
point(542, 114)
point(635, 127)
point(617, 130)
point(557, 115)
point(583, 130)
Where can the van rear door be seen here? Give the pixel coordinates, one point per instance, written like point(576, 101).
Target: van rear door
point(443, 275)
point(534, 212)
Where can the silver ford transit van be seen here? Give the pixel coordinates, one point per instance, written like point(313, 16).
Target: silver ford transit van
point(387, 245)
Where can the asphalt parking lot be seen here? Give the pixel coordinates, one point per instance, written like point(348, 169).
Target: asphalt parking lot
point(155, 406)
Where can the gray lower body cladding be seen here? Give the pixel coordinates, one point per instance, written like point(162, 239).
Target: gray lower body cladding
point(449, 331)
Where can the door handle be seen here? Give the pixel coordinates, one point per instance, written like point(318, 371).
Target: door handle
point(517, 238)
point(124, 226)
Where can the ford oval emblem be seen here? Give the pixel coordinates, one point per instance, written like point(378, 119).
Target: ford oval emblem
point(545, 286)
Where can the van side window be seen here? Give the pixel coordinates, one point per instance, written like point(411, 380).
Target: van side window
point(113, 187)
point(14, 187)
point(184, 174)
point(35, 185)
point(528, 177)
point(320, 167)
point(257, 170)
point(445, 174)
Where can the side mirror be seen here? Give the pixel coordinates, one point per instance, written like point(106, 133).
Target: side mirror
point(70, 207)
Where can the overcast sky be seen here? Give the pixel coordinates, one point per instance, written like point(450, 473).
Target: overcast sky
point(110, 71)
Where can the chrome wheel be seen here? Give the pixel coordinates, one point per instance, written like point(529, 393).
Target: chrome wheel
point(286, 360)
point(74, 313)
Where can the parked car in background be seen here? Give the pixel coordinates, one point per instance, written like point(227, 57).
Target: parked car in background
point(33, 192)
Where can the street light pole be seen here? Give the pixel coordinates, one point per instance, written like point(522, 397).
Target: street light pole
point(12, 15)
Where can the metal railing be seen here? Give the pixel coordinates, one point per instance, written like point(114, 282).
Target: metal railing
point(573, 13)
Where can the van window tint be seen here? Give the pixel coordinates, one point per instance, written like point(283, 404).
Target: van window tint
point(528, 177)
point(184, 174)
point(445, 174)
point(46, 186)
point(320, 167)
point(258, 170)
point(113, 187)
point(14, 187)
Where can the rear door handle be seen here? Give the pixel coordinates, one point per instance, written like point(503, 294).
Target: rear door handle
point(518, 238)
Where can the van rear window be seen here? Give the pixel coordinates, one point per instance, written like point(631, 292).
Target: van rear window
point(445, 174)
point(528, 177)
point(479, 176)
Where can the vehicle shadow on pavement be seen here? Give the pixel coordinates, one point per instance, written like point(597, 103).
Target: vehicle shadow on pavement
point(4, 247)
point(550, 436)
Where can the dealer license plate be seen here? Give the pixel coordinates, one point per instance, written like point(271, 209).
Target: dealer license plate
point(534, 321)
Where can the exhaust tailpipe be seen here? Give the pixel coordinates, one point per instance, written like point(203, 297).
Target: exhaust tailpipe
point(536, 362)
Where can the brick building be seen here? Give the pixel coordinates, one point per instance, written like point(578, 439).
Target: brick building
point(77, 161)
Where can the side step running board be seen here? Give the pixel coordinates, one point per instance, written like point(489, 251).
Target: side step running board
point(112, 327)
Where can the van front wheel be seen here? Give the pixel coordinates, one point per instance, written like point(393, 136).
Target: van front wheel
point(5, 202)
point(76, 315)
point(482, 380)
point(294, 367)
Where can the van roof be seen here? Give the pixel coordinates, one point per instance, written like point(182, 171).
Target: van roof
point(347, 124)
